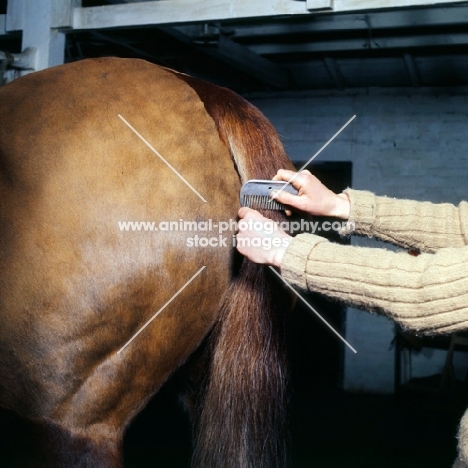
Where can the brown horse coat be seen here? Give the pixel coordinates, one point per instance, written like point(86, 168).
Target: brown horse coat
point(74, 288)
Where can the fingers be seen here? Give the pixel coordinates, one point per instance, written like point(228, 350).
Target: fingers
point(260, 239)
point(248, 213)
point(284, 174)
point(299, 180)
point(287, 175)
point(313, 197)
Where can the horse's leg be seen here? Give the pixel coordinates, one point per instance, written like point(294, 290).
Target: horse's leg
point(41, 443)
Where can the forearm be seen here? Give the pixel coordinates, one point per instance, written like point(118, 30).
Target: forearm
point(422, 225)
point(427, 294)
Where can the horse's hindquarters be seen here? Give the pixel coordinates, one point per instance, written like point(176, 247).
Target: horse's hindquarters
point(76, 285)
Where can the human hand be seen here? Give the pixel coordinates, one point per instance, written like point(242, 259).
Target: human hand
point(260, 239)
point(313, 197)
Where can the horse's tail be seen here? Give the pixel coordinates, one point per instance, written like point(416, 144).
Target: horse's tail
point(243, 410)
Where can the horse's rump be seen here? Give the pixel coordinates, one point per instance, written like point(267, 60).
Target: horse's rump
point(75, 287)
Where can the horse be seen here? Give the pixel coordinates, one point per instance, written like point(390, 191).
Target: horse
point(95, 318)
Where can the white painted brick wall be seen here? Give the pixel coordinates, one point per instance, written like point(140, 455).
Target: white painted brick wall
point(403, 143)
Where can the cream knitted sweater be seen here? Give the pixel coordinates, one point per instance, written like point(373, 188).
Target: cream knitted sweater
point(427, 293)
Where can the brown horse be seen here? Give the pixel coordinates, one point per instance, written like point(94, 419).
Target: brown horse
point(75, 288)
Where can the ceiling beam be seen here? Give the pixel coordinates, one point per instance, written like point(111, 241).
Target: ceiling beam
point(122, 43)
point(361, 44)
point(192, 11)
point(181, 11)
point(253, 64)
point(360, 5)
point(401, 19)
point(316, 5)
point(238, 57)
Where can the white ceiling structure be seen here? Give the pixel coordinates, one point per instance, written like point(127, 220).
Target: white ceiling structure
point(252, 45)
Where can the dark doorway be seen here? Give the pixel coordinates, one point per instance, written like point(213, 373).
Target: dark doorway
point(316, 352)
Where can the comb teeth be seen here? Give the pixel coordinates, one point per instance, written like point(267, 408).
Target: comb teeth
point(256, 194)
point(261, 202)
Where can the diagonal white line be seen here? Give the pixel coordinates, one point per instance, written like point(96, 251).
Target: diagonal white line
point(161, 309)
point(313, 310)
point(316, 154)
point(158, 154)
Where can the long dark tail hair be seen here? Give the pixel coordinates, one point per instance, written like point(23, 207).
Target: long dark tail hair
point(242, 421)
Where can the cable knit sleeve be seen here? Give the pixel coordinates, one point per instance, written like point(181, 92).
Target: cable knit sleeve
point(427, 293)
point(422, 225)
